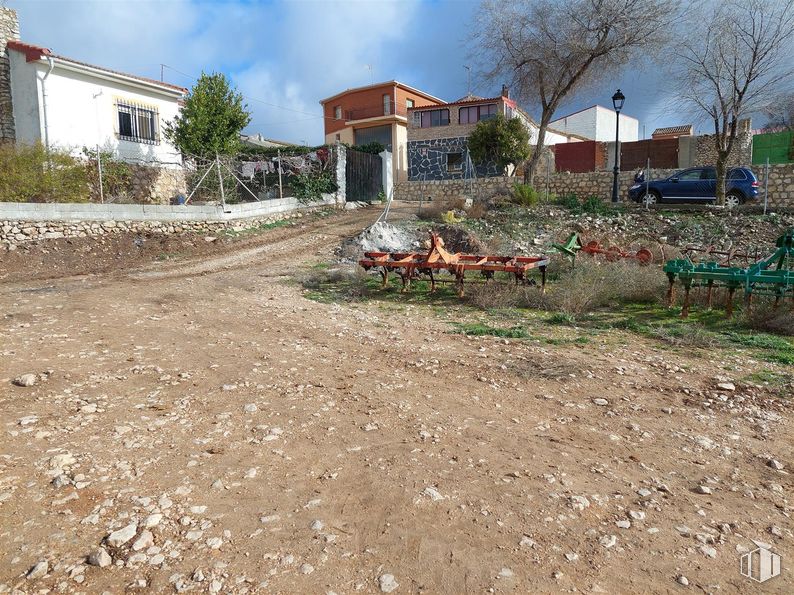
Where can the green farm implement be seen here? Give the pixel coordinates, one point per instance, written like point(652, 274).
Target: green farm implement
point(771, 276)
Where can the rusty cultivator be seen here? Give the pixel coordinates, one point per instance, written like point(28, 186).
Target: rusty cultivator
point(773, 276)
point(410, 265)
point(574, 244)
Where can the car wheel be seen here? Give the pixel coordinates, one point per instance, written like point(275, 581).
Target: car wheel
point(733, 200)
point(650, 199)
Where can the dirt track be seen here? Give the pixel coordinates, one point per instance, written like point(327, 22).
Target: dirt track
point(334, 444)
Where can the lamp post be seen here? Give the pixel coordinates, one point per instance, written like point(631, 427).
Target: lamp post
point(617, 102)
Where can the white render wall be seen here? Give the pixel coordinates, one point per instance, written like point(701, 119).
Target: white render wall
point(598, 123)
point(75, 119)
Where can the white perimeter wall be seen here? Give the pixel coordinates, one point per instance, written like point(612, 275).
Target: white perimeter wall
point(75, 119)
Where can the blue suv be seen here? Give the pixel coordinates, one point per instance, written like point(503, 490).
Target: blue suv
point(698, 184)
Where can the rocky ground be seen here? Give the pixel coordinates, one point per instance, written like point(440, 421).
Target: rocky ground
point(199, 425)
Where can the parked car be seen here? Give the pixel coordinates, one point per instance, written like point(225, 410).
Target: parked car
point(698, 184)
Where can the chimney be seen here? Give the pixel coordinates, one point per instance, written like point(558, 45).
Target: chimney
point(505, 91)
point(9, 29)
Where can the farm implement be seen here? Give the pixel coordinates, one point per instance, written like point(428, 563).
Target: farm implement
point(574, 244)
point(772, 276)
point(411, 265)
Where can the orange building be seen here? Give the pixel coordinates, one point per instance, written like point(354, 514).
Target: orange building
point(375, 113)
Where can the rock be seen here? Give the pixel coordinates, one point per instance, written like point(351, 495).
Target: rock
point(708, 551)
point(608, 541)
point(122, 536)
point(25, 380)
point(682, 580)
point(306, 569)
point(527, 541)
point(775, 464)
point(624, 524)
point(152, 520)
point(637, 515)
point(432, 493)
point(579, 502)
point(505, 573)
point(572, 556)
point(729, 386)
point(701, 489)
point(251, 408)
point(40, 569)
point(145, 540)
point(317, 525)
point(600, 402)
point(214, 543)
point(387, 583)
point(644, 493)
point(100, 557)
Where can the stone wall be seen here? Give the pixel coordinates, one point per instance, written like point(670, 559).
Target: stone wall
point(16, 233)
point(599, 183)
point(427, 160)
point(479, 189)
point(742, 153)
point(9, 29)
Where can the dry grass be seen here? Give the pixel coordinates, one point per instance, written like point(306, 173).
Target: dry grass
point(437, 209)
point(591, 285)
point(763, 317)
point(478, 210)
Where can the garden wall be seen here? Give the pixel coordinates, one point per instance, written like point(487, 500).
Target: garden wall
point(598, 183)
point(25, 222)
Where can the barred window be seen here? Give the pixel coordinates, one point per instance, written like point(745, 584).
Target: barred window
point(138, 124)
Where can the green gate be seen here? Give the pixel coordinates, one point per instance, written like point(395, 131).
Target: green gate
point(777, 146)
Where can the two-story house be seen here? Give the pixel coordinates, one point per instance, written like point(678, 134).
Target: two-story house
point(375, 113)
point(438, 136)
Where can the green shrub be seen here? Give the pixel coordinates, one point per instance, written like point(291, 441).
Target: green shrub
point(310, 187)
point(30, 174)
point(568, 201)
point(524, 195)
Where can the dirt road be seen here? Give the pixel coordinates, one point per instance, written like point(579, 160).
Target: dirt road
point(220, 433)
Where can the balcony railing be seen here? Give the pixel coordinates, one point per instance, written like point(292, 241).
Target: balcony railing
point(375, 111)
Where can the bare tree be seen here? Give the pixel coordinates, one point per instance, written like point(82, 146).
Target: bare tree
point(780, 112)
point(550, 49)
point(734, 64)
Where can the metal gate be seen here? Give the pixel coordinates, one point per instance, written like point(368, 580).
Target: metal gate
point(363, 176)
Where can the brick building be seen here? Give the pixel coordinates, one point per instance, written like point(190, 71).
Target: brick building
point(375, 113)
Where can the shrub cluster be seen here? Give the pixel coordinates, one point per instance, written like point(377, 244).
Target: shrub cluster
point(32, 174)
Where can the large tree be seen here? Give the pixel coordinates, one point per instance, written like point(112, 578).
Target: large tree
point(780, 111)
point(733, 64)
point(550, 49)
point(211, 119)
point(500, 140)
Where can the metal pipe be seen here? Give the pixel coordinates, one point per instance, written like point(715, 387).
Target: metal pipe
point(616, 169)
point(98, 148)
point(51, 63)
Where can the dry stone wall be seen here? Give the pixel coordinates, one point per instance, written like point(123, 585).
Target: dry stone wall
point(9, 29)
point(598, 183)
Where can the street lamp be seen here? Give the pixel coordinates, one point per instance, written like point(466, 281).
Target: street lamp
point(617, 102)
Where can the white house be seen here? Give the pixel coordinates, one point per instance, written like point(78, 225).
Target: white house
point(598, 123)
point(68, 104)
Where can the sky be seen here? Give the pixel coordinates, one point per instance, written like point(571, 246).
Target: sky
point(286, 55)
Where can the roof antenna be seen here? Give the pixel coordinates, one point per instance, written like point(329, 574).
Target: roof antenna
point(371, 79)
point(468, 80)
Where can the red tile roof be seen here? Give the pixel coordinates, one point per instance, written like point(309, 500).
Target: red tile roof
point(35, 52)
point(683, 130)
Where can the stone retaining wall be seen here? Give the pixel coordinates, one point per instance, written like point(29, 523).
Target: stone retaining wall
point(25, 222)
point(598, 183)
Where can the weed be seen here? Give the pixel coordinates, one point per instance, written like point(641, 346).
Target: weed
point(562, 318)
point(524, 195)
point(478, 329)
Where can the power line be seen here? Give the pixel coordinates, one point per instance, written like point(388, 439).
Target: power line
point(289, 109)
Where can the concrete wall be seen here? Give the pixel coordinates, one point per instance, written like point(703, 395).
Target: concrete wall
point(9, 29)
point(75, 119)
point(598, 123)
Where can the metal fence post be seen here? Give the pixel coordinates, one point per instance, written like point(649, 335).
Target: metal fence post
point(647, 181)
point(99, 167)
point(766, 184)
point(280, 188)
point(220, 180)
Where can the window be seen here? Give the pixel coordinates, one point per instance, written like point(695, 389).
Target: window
point(690, 175)
point(475, 113)
point(736, 174)
point(338, 112)
point(137, 124)
point(338, 137)
point(454, 161)
point(409, 103)
point(386, 104)
point(436, 117)
point(708, 173)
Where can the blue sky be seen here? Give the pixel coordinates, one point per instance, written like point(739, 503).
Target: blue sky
point(286, 55)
